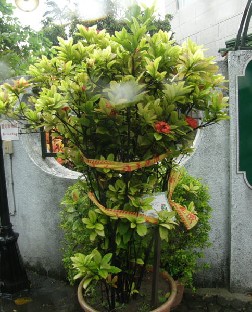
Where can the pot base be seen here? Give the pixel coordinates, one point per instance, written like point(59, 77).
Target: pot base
point(144, 301)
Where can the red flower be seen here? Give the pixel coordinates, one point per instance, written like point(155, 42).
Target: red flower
point(162, 127)
point(111, 111)
point(193, 123)
point(83, 88)
point(65, 108)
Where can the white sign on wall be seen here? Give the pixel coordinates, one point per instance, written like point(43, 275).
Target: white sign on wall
point(9, 130)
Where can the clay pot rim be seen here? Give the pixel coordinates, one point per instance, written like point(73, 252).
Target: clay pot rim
point(165, 307)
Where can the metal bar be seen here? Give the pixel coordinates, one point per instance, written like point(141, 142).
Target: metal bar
point(246, 25)
point(244, 17)
point(43, 142)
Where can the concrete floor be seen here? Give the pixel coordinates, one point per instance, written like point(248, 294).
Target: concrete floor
point(50, 295)
point(46, 295)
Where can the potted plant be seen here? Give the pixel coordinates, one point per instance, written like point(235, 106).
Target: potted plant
point(179, 256)
point(128, 105)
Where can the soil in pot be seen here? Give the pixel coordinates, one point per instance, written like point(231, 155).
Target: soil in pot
point(142, 302)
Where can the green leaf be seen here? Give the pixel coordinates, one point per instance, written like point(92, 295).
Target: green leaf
point(99, 226)
point(158, 136)
point(103, 273)
point(114, 269)
point(174, 117)
point(92, 216)
point(87, 282)
point(96, 256)
point(141, 229)
point(102, 130)
point(107, 258)
point(167, 226)
point(140, 261)
point(126, 237)
point(93, 236)
point(123, 227)
point(163, 233)
point(133, 225)
point(77, 276)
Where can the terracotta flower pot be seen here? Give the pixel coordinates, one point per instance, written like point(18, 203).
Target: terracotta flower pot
point(165, 307)
point(180, 293)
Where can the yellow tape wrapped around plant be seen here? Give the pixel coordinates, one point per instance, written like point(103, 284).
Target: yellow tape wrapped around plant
point(188, 218)
point(121, 166)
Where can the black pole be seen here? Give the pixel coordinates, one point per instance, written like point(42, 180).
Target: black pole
point(13, 277)
point(155, 274)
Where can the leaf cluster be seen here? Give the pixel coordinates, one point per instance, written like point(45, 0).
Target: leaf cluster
point(19, 45)
point(185, 248)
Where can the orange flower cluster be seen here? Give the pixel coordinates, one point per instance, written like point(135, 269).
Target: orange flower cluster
point(193, 123)
point(162, 127)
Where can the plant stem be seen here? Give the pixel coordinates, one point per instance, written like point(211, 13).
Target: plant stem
point(143, 269)
point(128, 133)
point(166, 178)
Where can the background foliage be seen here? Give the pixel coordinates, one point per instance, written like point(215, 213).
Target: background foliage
point(21, 45)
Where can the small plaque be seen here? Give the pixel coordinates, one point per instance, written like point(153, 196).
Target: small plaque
point(9, 130)
point(159, 203)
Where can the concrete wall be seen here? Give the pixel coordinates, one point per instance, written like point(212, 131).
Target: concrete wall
point(209, 23)
point(210, 162)
point(240, 192)
point(35, 188)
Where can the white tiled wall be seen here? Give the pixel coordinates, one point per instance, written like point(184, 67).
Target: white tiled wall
point(209, 23)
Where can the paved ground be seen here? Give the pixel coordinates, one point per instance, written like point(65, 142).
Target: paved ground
point(46, 295)
point(50, 295)
point(214, 300)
